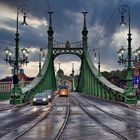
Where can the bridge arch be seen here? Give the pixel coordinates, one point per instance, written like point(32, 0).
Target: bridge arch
point(70, 65)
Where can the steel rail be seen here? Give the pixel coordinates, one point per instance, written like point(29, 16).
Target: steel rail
point(120, 118)
point(97, 121)
point(33, 125)
point(59, 134)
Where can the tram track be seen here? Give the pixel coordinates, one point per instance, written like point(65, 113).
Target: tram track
point(120, 118)
point(46, 116)
point(125, 107)
point(60, 132)
point(89, 113)
point(23, 130)
point(100, 101)
point(34, 124)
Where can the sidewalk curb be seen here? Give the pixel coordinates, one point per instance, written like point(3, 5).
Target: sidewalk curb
point(21, 105)
point(15, 106)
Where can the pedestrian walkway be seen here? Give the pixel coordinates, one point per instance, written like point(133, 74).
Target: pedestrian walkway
point(4, 102)
point(134, 106)
point(4, 105)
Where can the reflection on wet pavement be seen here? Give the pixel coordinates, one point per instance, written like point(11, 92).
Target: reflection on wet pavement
point(80, 126)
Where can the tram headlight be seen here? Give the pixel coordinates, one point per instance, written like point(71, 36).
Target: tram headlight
point(34, 99)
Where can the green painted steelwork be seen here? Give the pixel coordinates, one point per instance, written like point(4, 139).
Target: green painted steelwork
point(46, 78)
point(5, 95)
point(130, 92)
point(89, 82)
point(17, 61)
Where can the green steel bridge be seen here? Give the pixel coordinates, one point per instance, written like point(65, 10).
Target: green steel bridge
point(89, 80)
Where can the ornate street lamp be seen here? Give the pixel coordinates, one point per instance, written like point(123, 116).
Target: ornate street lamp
point(9, 57)
point(41, 55)
point(121, 56)
point(137, 54)
point(15, 60)
point(99, 59)
point(130, 93)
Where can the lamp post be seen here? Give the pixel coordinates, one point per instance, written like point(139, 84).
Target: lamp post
point(16, 61)
point(41, 54)
point(59, 82)
point(99, 59)
point(73, 82)
point(130, 93)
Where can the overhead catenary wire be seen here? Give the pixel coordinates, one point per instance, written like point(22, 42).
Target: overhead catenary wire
point(106, 24)
point(48, 5)
point(108, 21)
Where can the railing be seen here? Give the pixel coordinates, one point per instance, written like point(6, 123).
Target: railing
point(5, 96)
point(67, 44)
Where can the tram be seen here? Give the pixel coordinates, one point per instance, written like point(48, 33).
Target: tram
point(63, 90)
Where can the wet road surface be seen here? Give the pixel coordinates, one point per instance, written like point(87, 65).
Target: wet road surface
point(4, 105)
point(50, 126)
point(80, 125)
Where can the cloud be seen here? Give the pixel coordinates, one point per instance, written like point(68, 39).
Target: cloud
point(96, 35)
point(36, 22)
point(67, 24)
point(70, 29)
point(76, 17)
point(108, 67)
point(119, 38)
point(6, 18)
point(7, 12)
point(31, 69)
point(5, 70)
point(7, 27)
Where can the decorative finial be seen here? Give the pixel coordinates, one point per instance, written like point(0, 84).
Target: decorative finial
point(50, 22)
point(85, 31)
point(84, 25)
point(50, 31)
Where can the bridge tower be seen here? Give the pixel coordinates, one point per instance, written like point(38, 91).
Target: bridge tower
point(50, 74)
point(84, 32)
point(83, 73)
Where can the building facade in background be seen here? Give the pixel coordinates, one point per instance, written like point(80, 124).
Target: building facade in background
point(6, 84)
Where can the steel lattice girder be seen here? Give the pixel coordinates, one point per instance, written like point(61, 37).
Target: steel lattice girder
point(59, 51)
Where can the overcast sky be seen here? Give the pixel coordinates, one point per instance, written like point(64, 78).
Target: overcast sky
point(102, 21)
